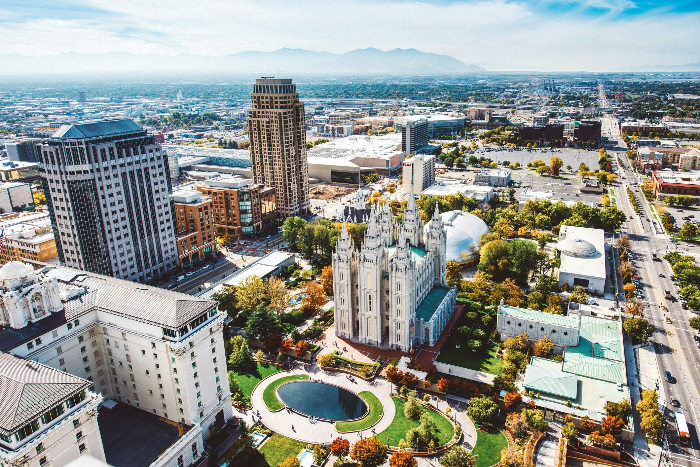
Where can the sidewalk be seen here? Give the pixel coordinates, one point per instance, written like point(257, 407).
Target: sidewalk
point(465, 373)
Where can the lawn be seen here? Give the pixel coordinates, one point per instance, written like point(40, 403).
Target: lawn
point(400, 425)
point(488, 447)
point(248, 381)
point(270, 393)
point(375, 414)
point(484, 359)
point(276, 449)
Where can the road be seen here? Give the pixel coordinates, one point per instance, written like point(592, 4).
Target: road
point(675, 348)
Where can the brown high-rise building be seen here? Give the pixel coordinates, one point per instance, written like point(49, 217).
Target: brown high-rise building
point(278, 144)
point(195, 226)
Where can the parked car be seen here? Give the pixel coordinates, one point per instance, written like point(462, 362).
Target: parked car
point(675, 402)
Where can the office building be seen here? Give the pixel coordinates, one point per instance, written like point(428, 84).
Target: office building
point(414, 136)
point(392, 292)
point(19, 171)
point(587, 133)
point(155, 355)
point(667, 182)
point(23, 150)
point(493, 177)
point(240, 209)
point(49, 417)
point(438, 125)
point(418, 174)
point(278, 144)
point(16, 197)
point(540, 120)
point(195, 226)
point(107, 188)
point(29, 239)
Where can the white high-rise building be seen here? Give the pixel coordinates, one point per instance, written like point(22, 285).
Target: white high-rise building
point(418, 173)
point(392, 292)
point(156, 350)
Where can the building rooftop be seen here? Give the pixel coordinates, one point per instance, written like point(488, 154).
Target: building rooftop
point(136, 438)
point(598, 354)
point(549, 380)
point(99, 129)
point(353, 146)
point(416, 252)
point(431, 302)
point(534, 315)
point(690, 178)
point(582, 251)
point(28, 389)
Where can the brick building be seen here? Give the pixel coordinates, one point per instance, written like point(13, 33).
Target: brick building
point(241, 209)
point(666, 182)
point(195, 226)
point(541, 134)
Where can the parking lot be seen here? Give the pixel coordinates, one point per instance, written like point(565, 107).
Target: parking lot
point(683, 215)
point(572, 157)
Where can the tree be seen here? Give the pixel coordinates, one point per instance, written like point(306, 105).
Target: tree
point(402, 459)
point(511, 457)
point(290, 461)
point(579, 295)
point(695, 323)
point(443, 384)
point(555, 305)
point(688, 231)
point(240, 359)
point(512, 399)
point(569, 432)
point(612, 425)
point(393, 374)
point(287, 345)
point(369, 452)
point(543, 169)
point(535, 419)
point(652, 423)
point(622, 409)
point(623, 242)
point(227, 302)
point(278, 294)
point(634, 308)
point(327, 280)
point(233, 383)
point(411, 408)
point(250, 294)
point(639, 329)
point(555, 164)
point(454, 272)
point(458, 456)
point(340, 447)
point(261, 323)
point(482, 409)
point(291, 228)
point(409, 379)
point(543, 347)
point(39, 198)
point(314, 299)
point(301, 348)
point(273, 341)
point(606, 441)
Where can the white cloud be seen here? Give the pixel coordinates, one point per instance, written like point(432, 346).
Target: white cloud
point(511, 33)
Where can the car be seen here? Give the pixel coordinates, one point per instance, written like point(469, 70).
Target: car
point(669, 377)
point(207, 266)
point(696, 338)
point(661, 274)
point(191, 273)
point(691, 215)
point(631, 217)
point(675, 402)
point(680, 210)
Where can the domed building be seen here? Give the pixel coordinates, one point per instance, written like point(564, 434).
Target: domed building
point(463, 231)
point(26, 298)
point(582, 254)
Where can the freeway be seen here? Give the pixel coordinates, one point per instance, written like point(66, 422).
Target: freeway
point(676, 351)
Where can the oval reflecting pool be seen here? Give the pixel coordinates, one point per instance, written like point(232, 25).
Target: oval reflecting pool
point(322, 400)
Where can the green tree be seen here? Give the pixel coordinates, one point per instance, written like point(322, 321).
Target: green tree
point(579, 295)
point(411, 408)
point(639, 329)
point(622, 409)
point(459, 163)
point(240, 359)
point(250, 294)
point(261, 323)
point(555, 164)
point(227, 302)
point(290, 230)
point(569, 432)
point(688, 231)
point(454, 272)
point(695, 323)
point(277, 294)
point(458, 456)
point(482, 409)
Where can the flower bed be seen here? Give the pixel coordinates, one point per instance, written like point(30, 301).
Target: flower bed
point(363, 370)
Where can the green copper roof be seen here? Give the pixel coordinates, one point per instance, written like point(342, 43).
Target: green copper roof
point(432, 301)
point(550, 381)
point(417, 253)
point(534, 315)
point(599, 351)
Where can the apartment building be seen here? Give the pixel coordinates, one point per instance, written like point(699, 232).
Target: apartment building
point(155, 350)
point(108, 188)
point(241, 209)
point(414, 136)
point(28, 239)
point(49, 417)
point(278, 144)
point(196, 239)
point(24, 150)
point(418, 174)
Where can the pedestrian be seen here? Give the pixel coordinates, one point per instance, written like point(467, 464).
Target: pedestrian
point(293, 429)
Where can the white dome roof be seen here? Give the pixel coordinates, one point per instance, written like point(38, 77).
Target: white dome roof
point(15, 270)
point(463, 231)
point(577, 247)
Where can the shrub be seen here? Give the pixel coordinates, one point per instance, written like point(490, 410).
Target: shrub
point(340, 447)
point(443, 385)
point(402, 459)
point(409, 379)
point(479, 333)
point(327, 360)
point(301, 348)
point(369, 452)
point(259, 355)
point(486, 319)
point(273, 341)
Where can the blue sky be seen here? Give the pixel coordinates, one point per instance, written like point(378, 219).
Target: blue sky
point(557, 35)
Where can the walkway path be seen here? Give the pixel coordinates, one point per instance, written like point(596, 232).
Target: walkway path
point(546, 453)
point(465, 373)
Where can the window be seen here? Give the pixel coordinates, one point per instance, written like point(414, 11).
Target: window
point(43, 460)
point(30, 345)
point(81, 448)
point(180, 462)
point(79, 436)
point(76, 423)
point(143, 352)
point(39, 448)
point(80, 339)
point(195, 453)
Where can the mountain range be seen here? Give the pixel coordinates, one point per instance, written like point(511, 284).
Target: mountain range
point(284, 61)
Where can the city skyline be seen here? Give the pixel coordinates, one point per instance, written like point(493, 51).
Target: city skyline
point(548, 35)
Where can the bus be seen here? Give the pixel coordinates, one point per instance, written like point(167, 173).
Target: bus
point(683, 432)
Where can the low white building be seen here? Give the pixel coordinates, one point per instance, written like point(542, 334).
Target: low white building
point(582, 254)
point(482, 194)
point(513, 321)
point(493, 177)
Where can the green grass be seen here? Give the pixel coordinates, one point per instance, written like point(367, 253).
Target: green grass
point(375, 414)
point(248, 381)
point(488, 447)
point(275, 450)
point(400, 425)
point(270, 393)
point(484, 359)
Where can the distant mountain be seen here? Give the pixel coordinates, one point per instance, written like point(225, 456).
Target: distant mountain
point(284, 61)
point(666, 68)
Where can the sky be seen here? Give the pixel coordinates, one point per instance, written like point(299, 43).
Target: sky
point(546, 35)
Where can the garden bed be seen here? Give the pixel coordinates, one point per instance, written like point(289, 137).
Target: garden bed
point(275, 450)
point(484, 359)
point(363, 370)
point(376, 411)
point(270, 393)
point(401, 424)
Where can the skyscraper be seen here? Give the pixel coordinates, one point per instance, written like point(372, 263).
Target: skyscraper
point(107, 187)
point(278, 144)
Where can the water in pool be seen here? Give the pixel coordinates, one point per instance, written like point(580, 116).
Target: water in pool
point(322, 400)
